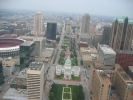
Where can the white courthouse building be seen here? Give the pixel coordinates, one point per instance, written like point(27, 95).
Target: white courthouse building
point(68, 70)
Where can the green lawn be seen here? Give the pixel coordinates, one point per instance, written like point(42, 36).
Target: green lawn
point(56, 92)
point(75, 78)
point(66, 89)
point(60, 76)
point(66, 95)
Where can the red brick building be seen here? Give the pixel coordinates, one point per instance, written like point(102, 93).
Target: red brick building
point(124, 58)
point(83, 44)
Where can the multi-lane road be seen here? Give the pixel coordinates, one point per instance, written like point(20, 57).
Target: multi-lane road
point(4, 87)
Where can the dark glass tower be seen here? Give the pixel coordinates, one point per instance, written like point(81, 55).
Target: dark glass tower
point(51, 31)
point(1, 74)
point(106, 35)
point(26, 54)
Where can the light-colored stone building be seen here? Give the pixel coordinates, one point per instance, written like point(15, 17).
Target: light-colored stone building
point(103, 77)
point(68, 70)
point(35, 81)
point(85, 23)
point(38, 24)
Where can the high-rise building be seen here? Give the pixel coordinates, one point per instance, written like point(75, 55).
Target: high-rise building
point(68, 28)
point(101, 85)
point(106, 35)
point(122, 34)
point(51, 31)
point(35, 81)
point(1, 73)
point(38, 24)
point(103, 78)
point(39, 46)
point(26, 54)
point(85, 24)
point(124, 85)
point(73, 43)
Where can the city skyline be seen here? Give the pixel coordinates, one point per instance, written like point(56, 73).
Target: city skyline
point(98, 7)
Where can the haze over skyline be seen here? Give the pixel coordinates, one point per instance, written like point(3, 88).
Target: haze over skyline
point(97, 7)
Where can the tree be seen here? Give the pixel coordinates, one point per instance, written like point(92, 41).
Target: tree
point(51, 97)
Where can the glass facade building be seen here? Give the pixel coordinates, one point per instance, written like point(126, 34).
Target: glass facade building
point(27, 50)
point(51, 31)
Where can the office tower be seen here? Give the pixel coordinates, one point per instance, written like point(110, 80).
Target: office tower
point(106, 35)
point(26, 54)
point(1, 73)
point(97, 38)
point(103, 78)
point(38, 24)
point(51, 31)
point(101, 85)
point(35, 81)
point(122, 34)
point(124, 85)
point(68, 28)
point(73, 43)
point(38, 48)
point(85, 24)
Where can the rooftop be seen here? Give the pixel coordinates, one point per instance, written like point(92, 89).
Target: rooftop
point(76, 68)
point(27, 43)
point(68, 61)
point(13, 94)
point(120, 20)
point(103, 77)
point(8, 62)
point(130, 21)
point(131, 68)
point(59, 67)
point(124, 75)
point(35, 66)
point(101, 66)
point(89, 50)
point(124, 51)
point(107, 50)
point(86, 57)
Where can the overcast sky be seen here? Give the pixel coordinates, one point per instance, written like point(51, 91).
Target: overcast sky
point(97, 7)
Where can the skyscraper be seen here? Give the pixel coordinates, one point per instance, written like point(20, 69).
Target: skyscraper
point(106, 35)
point(51, 31)
point(38, 24)
point(85, 24)
point(122, 34)
point(73, 43)
point(35, 81)
point(27, 50)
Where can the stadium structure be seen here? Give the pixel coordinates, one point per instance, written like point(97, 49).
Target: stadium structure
point(10, 47)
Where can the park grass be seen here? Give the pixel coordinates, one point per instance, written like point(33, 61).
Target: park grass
point(60, 76)
point(75, 78)
point(66, 89)
point(57, 89)
point(66, 95)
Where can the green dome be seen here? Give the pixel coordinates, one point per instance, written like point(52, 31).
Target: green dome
point(68, 61)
